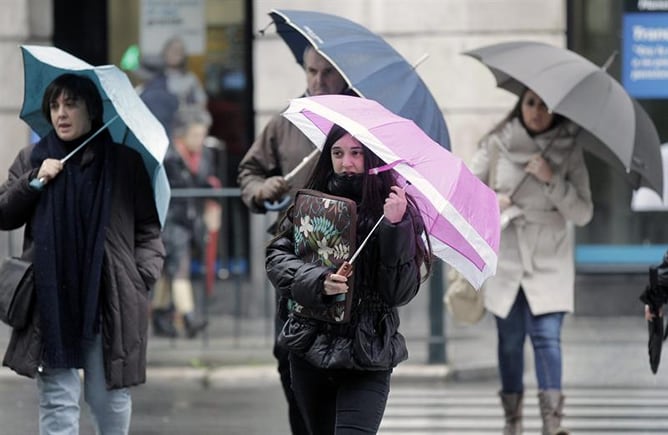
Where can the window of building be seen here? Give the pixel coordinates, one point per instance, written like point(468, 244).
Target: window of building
point(595, 32)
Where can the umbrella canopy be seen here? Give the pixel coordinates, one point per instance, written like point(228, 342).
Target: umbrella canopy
point(616, 128)
point(370, 66)
point(655, 342)
point(136, 127)
point(460, 212)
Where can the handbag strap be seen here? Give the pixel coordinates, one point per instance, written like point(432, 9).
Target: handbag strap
point(493, 160)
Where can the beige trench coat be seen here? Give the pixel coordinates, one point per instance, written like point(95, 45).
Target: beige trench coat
point(537, 242)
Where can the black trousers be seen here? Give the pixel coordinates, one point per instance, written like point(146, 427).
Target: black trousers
point(339, 402)
point(297, 424)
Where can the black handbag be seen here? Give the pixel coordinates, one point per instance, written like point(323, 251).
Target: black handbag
point(17, 290)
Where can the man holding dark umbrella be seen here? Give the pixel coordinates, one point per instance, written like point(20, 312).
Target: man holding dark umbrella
point(280, 148)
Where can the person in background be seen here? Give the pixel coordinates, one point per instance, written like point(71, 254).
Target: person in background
point(280, 148)
point(166, 82)
point(181, 82)
point(341, 372)
point(188, 164)
point(542, 185)
point(93, 235)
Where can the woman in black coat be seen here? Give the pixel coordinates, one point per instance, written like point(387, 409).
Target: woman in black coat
point(341, 371)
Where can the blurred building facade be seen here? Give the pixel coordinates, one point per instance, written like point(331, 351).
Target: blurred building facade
point(250, 76)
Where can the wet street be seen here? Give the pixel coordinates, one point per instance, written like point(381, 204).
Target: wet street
point(417, 408)
point(164, 408)
point(230, 387)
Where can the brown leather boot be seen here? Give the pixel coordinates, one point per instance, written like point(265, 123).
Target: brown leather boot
point(512, 409)
point(551, 404)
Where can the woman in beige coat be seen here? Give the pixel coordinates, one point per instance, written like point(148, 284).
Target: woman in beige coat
point(534, 164)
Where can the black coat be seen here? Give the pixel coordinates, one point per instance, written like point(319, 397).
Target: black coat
point(185, 230)
point(386, 277)
point(133, 258)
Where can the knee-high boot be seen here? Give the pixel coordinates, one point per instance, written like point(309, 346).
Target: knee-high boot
point(512, 409)
point(551, 404)
point(182, 291)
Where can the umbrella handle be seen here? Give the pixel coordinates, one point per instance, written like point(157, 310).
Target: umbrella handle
point(37, 183)
point(278, 205)
point(346, 269)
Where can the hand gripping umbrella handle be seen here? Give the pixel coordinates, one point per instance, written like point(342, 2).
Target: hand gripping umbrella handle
point(346, 269)
point(285, 201)
point(38, 183)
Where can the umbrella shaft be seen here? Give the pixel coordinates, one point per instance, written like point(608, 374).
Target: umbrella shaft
point(301, 165)
point(75, 150)
point(366, 239)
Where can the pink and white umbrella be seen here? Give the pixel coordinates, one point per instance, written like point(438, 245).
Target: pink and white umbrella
point(460, 212)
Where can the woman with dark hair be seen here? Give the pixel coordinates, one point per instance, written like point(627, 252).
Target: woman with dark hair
point(93, 235)
point(542, 186)
point(341, 372)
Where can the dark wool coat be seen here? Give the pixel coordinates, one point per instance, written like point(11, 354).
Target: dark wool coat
point(133, 258)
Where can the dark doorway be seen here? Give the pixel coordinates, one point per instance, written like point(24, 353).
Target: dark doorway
point(80, 28)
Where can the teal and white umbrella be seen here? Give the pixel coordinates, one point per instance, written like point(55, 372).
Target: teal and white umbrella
point(125, 115)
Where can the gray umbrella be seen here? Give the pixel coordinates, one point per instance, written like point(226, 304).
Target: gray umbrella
point(615, 127)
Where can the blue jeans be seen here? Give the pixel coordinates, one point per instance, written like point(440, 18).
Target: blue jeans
point(341, 402)
point(60, 390)
point(545, 334)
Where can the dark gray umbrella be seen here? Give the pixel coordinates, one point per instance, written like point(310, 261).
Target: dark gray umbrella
point(371, 67)
point(615, 127)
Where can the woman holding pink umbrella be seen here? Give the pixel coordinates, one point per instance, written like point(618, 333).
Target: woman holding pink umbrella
point(341, 371)
point(542, 186)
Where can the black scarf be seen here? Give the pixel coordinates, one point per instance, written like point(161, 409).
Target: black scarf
point(68, 229)
point(348, 186)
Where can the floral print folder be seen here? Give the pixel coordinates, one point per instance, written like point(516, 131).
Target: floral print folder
point(324, 234)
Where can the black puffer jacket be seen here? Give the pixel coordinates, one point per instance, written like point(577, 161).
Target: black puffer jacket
point(387, 275)
point(133, 258)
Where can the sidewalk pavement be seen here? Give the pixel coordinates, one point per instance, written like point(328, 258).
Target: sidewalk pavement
point(598, 351)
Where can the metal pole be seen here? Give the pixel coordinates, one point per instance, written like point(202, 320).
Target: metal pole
point(437, 343)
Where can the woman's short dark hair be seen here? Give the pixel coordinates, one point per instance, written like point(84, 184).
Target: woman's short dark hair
point(76, 87)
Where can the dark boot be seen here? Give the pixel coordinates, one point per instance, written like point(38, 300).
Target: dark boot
point(193, 325)
point(551, 404)
point(162, 323)
point(512, 410)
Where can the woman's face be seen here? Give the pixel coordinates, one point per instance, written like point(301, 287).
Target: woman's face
point(69, 117)
point(174, 54)
point(347, 156)
point(194, 137)
point(535, 115)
